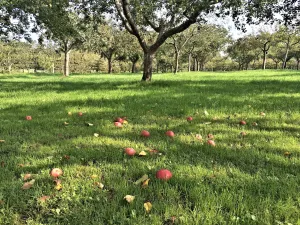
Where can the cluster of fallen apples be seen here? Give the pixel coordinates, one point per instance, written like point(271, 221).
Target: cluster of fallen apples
point(162, 174)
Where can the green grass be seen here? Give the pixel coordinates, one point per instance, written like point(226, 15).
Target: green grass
point(243, 180)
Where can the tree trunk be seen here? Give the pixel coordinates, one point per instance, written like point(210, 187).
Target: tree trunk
point(190, 57)
point(66, 63)
point(176, 61)
point(264, 60)
point(109, 60)
point(133, 68)
point(298, 64)
point(285, 58)
point(148, 61)
point(9, 68)
point(53, 68)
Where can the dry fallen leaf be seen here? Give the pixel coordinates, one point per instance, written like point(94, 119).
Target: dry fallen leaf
point(58, 187)
point(94, 176)
point(129, 198)
point(96, 135)
point(145, 183)
point(142, 179)
point(66, 123)
point(44, 198)
point(99, 185)
point(153, 151)
point(148, 206)
point(27, 176)
point(28, 185)
point(125, 122)
point(142, 153)
point(287, 154)
point(89, 124)
point(2, 141)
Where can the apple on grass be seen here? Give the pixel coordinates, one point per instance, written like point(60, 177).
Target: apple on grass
point(163, 174)
point(119, 119)
point(56, 172)
point(130, 151)
point(170, 133)
point(118, 124)
point(28, 118)
point(211, 142)
point(80, 113)
point(145, 133)
point(243, 122)
point(189, 118)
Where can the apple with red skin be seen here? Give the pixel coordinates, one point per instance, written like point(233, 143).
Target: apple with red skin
point(56, 172)
point(163, 174)
point(130, 151)
point(145, 133)
point(28, 118)
point(118, 124)
point(80, 113)
point(189, 118)
point(170, 133)
point(243, 122)
point(119, 119)
point(211, 142)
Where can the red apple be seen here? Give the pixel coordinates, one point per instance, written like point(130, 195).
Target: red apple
point(145, 133)
point(28, 118)
point(119, 119)
point(211, 142)
point(189, 118)
point(210, 136)
point(170, 133)
point(118, 124)
point(130, 151)
point(163, 174)
point(243, 122)
point(80, 114)
point(56, 172)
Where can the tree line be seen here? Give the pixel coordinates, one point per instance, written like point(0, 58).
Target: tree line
point(144, 35)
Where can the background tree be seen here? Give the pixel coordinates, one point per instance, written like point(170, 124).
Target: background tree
point(264, 41)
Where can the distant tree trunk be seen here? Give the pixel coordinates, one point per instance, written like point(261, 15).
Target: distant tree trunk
point(148, 61)
point(9, 68)
point(133, 68)
point(264, 60)
point(190, 58)
point(195, 64)
point(176, 66)
point(66, 63)
point(109, 60)
point(298, 64)
point(53, 68)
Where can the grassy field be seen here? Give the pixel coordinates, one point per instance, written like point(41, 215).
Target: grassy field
point(251, 179)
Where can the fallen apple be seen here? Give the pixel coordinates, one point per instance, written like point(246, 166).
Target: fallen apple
point(130, 151)
point(28, 118)
point(189, 118)
point(80, 114)
point(145, 133)
point(211, 142)
point(163, 174)
point(118, 124)
point(170, 133)
point(56, 172)
point(70, 113)
point(254, 124)
point(119, 119)
point(243, 122)
point(262, 114)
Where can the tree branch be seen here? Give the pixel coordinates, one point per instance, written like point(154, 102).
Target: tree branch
point(152, 25)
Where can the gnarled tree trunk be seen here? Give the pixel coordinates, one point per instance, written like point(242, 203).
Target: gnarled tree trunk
point(148, 62)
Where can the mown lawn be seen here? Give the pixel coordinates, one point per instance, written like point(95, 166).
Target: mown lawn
point(252, 179)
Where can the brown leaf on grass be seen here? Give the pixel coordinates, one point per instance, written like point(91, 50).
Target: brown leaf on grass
point(2, 164)
point(145, 183)
point(153, 151)
point(99, 185)
point(66, 123)
point(287, 154)
point(44, 198)
point(2, 141)
point(57, 181)
point(142, 179)
point(21, 165)
point(129, 198)
point(94, 176)
point(28, 185)
point(27, 176)
point(148, 206)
